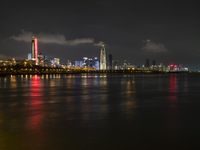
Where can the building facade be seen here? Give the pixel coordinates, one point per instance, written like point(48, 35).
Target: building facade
point(34, 49)
point(103, 58)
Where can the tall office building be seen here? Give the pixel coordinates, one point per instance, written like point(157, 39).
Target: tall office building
point(29, 56)
point(147, 63)
point(110, 61)
point(34, 49)
point(154, 63)
point(96, 63)
point(103, 58)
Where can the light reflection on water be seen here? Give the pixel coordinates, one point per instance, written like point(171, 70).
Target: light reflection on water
point(43, 111)
point(35, 104)
point(173, 88)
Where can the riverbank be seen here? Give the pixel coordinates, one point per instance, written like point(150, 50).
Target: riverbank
point(62, 71)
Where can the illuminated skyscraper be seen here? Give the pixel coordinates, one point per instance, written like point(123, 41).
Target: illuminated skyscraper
point(34, 50)
point(103, 58)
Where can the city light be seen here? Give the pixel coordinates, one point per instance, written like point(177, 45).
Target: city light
point(42, 64)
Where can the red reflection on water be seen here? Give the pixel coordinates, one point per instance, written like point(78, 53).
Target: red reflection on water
point(173, 88)
point(35, 115)
point(173, 116)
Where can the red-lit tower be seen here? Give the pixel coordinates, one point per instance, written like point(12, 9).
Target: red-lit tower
point(34, 49)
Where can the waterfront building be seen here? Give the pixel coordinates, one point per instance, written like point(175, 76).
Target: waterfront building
point(103, 58)
point(87, 63)
point(154, 63)
point(147, 63)
point(78, 63)
point(41, 60)
point(110, 62)
point(29, 56)
point(34, 49)
point(55, 62)
point(96, 63)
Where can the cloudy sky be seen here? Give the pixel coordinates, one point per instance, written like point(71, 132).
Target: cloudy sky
point(167, 31)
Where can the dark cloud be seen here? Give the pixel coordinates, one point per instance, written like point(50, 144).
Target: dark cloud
point(46, 38)
point(153, 47)
point(99, 44)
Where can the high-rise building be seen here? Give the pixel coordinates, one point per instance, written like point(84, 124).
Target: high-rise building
point(55, 62)
point(29, 56)
point(34, 49)
point(110, 61)
point(88, 62)
point(78, 63)
point(103, 58)
point(154, 63)
point(147, 63)
point(96, 63)
point(41, 59)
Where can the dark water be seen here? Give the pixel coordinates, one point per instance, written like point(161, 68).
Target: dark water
point(91, 112)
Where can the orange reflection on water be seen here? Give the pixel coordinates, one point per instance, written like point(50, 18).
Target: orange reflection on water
point(130, 98)
point(13, 82)
point(35, 115)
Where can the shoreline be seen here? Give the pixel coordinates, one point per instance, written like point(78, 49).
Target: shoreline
point(114, 72)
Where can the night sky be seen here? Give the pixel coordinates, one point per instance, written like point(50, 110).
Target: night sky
point(167, 31)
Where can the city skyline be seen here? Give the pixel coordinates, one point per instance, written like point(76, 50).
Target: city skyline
point(99, 74)
point(162, 31)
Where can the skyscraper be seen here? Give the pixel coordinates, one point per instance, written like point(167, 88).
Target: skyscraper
point(147, 63)
point(110, 61)
point(154, 63)
point(103, 58)
point(34, 49)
